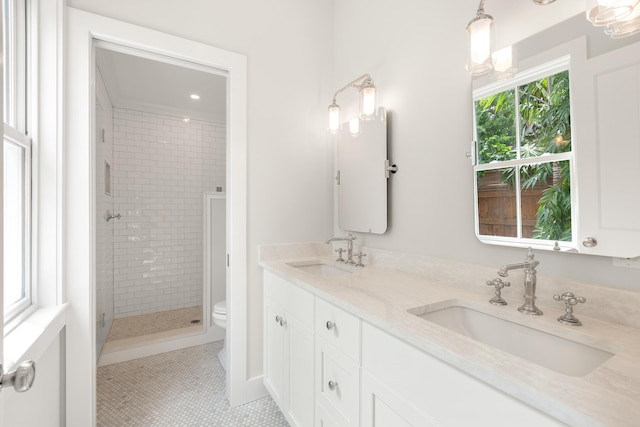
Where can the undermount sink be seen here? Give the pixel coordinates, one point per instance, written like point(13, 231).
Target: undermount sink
point(321, 269)
point(553, 352)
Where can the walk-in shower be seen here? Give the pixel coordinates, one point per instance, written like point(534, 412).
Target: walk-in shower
point(160, 161)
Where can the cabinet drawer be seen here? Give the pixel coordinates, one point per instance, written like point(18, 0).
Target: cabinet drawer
point(337, 384)
point(339, 328)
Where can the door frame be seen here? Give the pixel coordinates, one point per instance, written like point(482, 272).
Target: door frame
point(79, 238)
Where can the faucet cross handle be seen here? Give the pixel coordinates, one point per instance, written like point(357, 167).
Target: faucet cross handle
point(570, 300)
point(498, 283)
point(360, 254)
point(340, 251)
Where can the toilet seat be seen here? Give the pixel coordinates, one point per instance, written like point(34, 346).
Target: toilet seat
point(220, 307)
point(219, 314)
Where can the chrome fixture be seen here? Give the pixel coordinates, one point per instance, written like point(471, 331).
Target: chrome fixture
point(498, 283)
point(360, 254)
point(333, 385)
point(529, 266)
point(570, 300)
point(108, 216)
point(349, 239)
point(340, 251)
point(364, 84)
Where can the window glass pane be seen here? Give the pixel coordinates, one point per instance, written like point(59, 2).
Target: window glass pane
point(496, 127)
point(14, 224)
point(546, 201)
point(497, 213)
point(9, 63)
point(545, 116)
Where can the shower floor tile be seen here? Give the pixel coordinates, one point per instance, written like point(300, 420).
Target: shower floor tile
point(146, 324)
point(179, 388)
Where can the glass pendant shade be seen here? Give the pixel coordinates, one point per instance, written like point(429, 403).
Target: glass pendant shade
point(334, 118)
point(504, 63)
point(606, 12)
point(354, 126)
point(367, 101)
point(627, 26)
point(480, 31)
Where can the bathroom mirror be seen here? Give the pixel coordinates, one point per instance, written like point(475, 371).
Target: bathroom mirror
point(587, 158)
point(361, 177)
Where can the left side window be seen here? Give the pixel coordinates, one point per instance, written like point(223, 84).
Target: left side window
point(17, 170)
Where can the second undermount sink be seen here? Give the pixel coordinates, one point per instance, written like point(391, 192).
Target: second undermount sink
point(321, 269)
point(562, 355)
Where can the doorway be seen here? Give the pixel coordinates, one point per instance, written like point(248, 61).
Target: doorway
point(160, 144)
point(79, 215)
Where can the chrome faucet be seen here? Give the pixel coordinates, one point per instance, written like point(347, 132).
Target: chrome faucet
point(349, 239)
point(529, 266)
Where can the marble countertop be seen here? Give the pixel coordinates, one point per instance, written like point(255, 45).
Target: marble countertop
point(609, 395)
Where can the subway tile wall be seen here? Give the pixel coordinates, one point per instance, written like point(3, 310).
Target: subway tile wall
point(163, 165)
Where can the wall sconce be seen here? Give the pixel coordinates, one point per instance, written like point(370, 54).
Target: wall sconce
point(482, 59)
point(364, 84)
point(621, 18)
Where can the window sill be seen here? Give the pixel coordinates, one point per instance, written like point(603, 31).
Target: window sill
point(31, 338)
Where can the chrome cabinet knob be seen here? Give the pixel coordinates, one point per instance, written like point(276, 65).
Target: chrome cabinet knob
point(278, 319)
point(21, 379)
point(590, 242)
point(333, 385)
point(330, 325)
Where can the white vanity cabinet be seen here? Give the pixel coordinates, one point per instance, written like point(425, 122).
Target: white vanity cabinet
point(403, 386)
point(327, 367)
point(337, 372)
point(288, 348)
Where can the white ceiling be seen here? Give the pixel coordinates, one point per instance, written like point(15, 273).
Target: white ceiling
point(143, 84)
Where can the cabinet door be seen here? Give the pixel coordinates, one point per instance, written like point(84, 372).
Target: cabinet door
point(337, 383)
point(606, 116)
point(299, 372)
point(273, 363)
point(383, 407)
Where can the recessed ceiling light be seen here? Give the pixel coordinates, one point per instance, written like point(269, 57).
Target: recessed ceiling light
point(186, 120)
point(195, 96)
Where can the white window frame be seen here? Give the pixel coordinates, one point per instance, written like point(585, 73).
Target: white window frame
point(18, 44)
point(548, 69)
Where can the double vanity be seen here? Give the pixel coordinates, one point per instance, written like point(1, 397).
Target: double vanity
point(409, 340)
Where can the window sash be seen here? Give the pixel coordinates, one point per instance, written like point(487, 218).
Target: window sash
point(15, 63)
point(17, 222)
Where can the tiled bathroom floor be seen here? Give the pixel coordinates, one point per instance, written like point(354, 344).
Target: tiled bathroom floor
point(179, 388)
point(146, 324)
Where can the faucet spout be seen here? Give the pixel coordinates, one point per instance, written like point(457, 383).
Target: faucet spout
point(529, 266)
point(349, 239)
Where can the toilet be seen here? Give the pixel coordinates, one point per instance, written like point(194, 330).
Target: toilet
point(219, 315)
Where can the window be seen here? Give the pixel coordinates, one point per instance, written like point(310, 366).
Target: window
point(524, 160)
point(16, 164)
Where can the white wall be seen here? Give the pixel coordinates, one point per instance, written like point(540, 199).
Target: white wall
point(417, 62)
point(162, 165)
point(288, 46)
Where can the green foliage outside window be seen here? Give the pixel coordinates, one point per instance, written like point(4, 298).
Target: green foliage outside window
point(544, 128)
